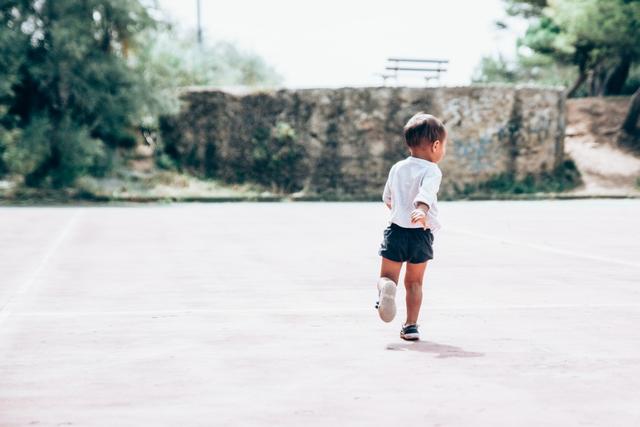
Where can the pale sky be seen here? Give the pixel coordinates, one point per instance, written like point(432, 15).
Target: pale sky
point(334, 43)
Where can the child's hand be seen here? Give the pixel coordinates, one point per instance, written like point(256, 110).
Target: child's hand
point(418, 216)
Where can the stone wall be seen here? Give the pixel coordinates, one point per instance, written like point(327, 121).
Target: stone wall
point(342, 142)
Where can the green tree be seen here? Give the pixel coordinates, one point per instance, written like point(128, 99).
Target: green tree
point(535, 68)
point(173, 60)
point(526, 8)
point(80, 77)
point(67, 87)
point(601, 38)
point(11, 59)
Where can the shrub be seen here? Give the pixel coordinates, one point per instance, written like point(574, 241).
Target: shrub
point(23, 156)
point(563, 178)
point(277, 159)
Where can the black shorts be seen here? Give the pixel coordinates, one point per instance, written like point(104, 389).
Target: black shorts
point(412, 245)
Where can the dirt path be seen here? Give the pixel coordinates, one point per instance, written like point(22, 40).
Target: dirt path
point(606, 169)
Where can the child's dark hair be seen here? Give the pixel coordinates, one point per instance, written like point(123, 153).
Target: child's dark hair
point(424, 127)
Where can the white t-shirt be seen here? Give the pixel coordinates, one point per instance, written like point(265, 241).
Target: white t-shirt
point(410, 181)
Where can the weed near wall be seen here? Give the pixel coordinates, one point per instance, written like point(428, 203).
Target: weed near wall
point(563, 178)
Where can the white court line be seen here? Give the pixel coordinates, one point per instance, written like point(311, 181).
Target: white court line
point(546, 248)
point(24, 288)
point(314, 311)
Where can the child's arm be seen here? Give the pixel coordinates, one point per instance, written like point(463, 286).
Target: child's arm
point(419, 215)
point(386, 194)
point(427, 195)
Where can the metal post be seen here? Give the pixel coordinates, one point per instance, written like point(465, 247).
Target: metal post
point(199, 24)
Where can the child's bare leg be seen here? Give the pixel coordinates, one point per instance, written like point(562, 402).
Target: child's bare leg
point(387, 286)
point(390, 269)
point(413, 284)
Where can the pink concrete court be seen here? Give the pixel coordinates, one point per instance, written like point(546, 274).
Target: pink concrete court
point(262, 315)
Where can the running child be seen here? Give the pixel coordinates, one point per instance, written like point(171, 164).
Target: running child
point(411, 193)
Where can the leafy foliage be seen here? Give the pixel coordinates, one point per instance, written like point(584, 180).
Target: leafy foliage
point(80, 78)
point(24, 156)
point(525, 69)
point(277, 160)
point(598, 39)
point(525, 8)
point(67, 86)
point(171, 61)
point(586, 32)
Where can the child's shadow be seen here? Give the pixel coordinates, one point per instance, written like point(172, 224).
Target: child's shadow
point(442, 350)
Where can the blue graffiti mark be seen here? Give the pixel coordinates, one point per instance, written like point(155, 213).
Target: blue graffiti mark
point(479, 154)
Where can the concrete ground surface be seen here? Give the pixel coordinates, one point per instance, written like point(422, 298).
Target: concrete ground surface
point(262, 314)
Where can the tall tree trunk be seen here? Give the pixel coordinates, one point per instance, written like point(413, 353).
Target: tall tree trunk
point(629, 134)
point(617, 76)
point(630, 124)
point(597, 76)
point(576, 85)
